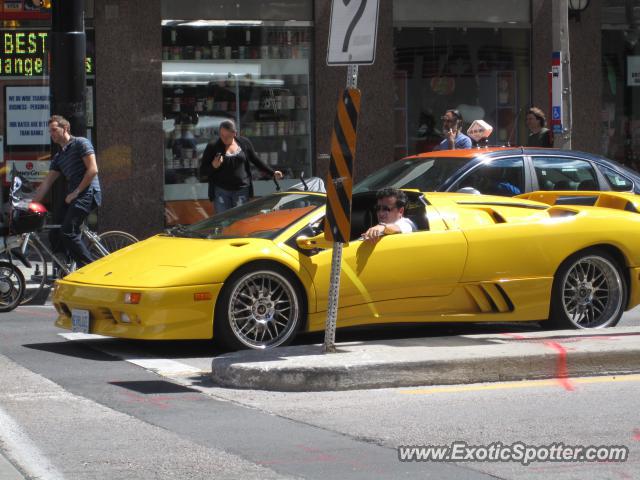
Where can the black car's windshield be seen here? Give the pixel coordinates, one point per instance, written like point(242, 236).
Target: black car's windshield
point(262, 218)
point(424, 174)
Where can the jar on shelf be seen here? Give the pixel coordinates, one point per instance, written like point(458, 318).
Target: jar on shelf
point(301, 101)
point(290, 102)
point(175, 104)
point(269, 129)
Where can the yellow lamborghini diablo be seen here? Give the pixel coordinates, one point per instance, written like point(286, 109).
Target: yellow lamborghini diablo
point(256, 275)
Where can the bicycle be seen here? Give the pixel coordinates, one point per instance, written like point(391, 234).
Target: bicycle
point(34, 264)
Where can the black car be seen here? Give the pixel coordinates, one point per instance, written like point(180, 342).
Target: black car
point(504, 171)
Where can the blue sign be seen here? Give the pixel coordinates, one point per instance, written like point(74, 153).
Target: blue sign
point(555, 113)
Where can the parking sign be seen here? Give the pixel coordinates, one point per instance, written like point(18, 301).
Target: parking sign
point(352, 37)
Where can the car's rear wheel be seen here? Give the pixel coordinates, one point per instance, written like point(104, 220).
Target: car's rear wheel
point(259, 307)
point(589, 291)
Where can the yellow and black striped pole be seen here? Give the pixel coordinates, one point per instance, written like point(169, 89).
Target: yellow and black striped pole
point(337, 226)
point(337, 223)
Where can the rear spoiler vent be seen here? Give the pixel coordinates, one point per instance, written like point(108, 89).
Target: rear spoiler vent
point(629, 202)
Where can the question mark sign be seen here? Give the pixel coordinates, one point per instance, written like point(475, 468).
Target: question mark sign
point(354, 22)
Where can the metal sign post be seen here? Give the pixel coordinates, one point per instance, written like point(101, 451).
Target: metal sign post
point(337, 225)
point(561, 114)
point(352, 41)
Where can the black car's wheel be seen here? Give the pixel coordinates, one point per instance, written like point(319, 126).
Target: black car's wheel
point(259, 307)
point(589, 291)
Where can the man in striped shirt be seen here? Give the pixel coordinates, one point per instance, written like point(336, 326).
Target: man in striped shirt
point(76, 161)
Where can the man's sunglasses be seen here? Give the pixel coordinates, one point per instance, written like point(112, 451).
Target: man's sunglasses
point(384, 208)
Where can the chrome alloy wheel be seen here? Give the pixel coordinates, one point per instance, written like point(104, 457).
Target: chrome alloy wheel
point(592, 292)
point(263, 309)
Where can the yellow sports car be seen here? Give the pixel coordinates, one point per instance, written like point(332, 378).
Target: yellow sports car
point(258, 274)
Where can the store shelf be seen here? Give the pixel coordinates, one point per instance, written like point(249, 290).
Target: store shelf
point(201, 72)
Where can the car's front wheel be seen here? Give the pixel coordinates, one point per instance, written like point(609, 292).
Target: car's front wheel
point(259, 307)
point(589, 291)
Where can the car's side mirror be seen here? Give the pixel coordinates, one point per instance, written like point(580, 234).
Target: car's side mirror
point(311, 243)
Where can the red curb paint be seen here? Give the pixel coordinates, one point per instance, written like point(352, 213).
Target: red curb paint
point(561, 366)
point(515, 336)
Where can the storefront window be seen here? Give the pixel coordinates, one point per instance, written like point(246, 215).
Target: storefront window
point(24, 81)
point(620, 134)
point(253, 72)
point(482, 72)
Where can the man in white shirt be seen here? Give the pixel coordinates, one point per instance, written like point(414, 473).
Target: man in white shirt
point(390, 209)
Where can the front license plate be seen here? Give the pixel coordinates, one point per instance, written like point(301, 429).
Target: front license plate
point(80, 321)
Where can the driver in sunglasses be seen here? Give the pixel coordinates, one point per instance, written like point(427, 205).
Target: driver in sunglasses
point(390, 203)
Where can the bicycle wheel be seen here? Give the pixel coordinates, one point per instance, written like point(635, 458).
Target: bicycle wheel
point(113, 241)
point(11, 286)
point(35, 274)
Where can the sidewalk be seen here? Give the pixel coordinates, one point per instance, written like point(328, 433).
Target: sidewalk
point(434, 361)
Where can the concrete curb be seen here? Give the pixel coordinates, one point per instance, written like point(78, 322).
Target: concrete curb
point(433, 361)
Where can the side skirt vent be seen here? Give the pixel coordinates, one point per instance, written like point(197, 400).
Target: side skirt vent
point(490, 297)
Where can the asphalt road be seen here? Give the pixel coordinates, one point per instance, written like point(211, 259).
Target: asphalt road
point(75, 409)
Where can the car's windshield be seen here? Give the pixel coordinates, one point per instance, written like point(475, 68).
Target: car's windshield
point(424, 174)
point(262, 218)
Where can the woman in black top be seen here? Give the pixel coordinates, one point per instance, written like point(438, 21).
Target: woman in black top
point(539, 136)
point(225, 163)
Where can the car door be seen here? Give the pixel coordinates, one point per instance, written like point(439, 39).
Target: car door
point(497, 176)
point(401, 266)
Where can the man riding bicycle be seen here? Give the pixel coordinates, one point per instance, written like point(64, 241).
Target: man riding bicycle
point(76, 161)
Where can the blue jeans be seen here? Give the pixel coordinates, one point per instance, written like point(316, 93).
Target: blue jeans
point(69, 238)
point(225, 199)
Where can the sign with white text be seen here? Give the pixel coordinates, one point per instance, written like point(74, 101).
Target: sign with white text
point(27, 115)
point(556, 93)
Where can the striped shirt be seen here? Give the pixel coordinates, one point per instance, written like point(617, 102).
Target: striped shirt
point(68, 161)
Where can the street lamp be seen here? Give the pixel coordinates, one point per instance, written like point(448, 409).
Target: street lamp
point(576, 7)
